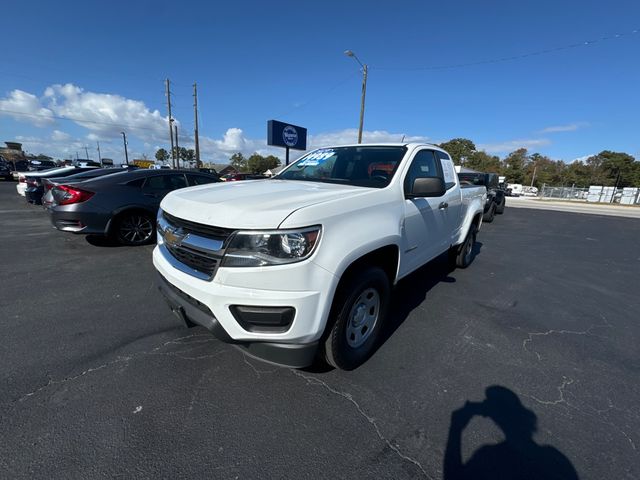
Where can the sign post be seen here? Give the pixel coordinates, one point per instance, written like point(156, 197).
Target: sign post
point(285, 135)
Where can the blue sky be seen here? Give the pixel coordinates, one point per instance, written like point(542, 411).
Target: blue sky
point(105, 62)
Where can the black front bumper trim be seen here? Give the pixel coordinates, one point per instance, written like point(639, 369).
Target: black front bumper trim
point(192, 313)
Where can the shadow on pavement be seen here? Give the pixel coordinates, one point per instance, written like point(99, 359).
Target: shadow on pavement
point(518, 456)
point(412, 290)
point(102, 241)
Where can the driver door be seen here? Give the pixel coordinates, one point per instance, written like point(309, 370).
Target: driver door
point(424, 226)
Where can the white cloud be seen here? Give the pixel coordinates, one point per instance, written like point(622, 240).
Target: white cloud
point(511, 145)
point(105, 114)
point(571, 127)
point(582, 159)
point(59, 136)
point(26, 107)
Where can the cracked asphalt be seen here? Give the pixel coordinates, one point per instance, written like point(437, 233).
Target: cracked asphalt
point(99, 379)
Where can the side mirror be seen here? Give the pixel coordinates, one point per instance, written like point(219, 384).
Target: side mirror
point(428, 187)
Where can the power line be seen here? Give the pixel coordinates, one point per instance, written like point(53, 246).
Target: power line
point(586, 43)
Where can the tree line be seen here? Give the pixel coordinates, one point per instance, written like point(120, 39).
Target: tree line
point(607, 168)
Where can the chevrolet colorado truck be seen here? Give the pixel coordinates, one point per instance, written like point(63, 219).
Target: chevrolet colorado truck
point(300, 266)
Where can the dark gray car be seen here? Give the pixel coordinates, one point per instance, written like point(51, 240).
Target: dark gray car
point(123, 205)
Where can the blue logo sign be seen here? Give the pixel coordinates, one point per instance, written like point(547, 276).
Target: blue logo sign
point(290, 136)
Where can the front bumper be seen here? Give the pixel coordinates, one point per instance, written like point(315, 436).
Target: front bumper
point(305, 287)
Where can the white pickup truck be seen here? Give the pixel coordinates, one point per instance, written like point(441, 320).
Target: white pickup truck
point(301, 266)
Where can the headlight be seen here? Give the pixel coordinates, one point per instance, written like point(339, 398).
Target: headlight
point(277, 247)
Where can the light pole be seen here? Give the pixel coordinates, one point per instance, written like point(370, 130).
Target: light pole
point(126, 154)
point(365, 70)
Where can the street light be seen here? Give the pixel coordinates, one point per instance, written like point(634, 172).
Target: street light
point(365, 70)
point(126, 154)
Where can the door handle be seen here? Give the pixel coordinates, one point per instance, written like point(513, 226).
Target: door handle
point(443, 205)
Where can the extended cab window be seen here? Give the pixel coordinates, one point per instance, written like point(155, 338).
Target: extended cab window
point(423, 165)
point(361, 166)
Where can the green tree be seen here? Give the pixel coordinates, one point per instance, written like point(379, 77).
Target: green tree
point(238, 162)
point(460, 149)
point(515, 165)
point(162, 155)
point(256, 163)
point(541, 170)
point(188, 154)
point(617, 166)
point(483, 162)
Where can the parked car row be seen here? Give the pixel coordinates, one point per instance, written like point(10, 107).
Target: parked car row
point(496, 193)
point(121, 204)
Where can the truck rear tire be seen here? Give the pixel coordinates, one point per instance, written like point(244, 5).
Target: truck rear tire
point(462, 255)
point(500, 208)
point(357, 317)
point(490, 214)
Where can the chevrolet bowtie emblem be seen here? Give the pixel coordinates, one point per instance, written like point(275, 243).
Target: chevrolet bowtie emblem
point(174, 236)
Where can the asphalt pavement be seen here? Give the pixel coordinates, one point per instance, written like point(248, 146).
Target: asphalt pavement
point(527, 361)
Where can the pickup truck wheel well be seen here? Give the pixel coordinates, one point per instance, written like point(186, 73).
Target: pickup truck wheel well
point(477, 219)
point(386, 258)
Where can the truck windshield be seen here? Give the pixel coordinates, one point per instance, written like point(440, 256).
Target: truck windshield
point(361, 166)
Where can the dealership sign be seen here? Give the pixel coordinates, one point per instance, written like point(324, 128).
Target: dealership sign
point(285, 135)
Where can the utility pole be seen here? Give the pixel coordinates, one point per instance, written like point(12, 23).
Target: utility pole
point(195, 113)
point(173, 153)
point(99, 156)
point(175, 127)
point(126, 154)
point(86, 151)
point(365, 72)
point(534, 174)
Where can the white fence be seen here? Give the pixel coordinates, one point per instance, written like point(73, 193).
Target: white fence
point(594, 194)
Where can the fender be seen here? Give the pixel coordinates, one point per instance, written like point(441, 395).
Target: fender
point(474, 210)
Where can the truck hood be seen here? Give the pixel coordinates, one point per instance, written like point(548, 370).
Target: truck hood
point(252, 204)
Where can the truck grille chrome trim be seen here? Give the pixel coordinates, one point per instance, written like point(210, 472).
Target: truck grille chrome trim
point(197, 254)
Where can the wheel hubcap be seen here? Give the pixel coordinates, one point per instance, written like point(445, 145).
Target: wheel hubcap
point(363, 317)
point(136, 228)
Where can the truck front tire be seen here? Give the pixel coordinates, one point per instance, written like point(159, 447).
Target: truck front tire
point(357, 318)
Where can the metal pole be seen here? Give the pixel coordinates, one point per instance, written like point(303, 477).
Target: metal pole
point(365, 70)
point(615, 187)
point(86, 151)
point(175, 127)
point(99, 156)
point(534, 174)
point(195, 111)
point(126, 153)
point(287, 156)
point(173, 153)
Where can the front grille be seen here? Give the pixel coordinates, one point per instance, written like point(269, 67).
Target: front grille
point(208, 231)
point(201, 262)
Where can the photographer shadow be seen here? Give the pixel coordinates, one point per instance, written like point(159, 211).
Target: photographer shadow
point(518, 456)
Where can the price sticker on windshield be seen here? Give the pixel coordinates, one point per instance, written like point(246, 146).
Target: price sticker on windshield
point(316, 158)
